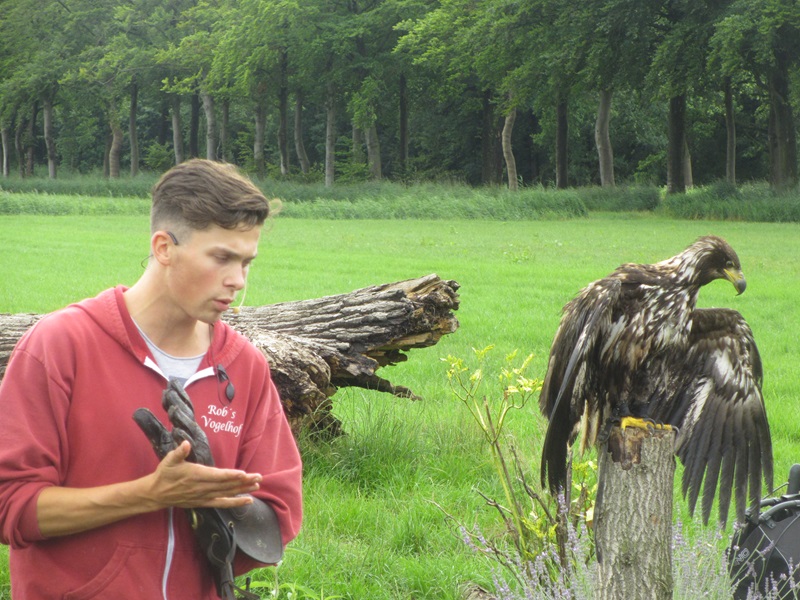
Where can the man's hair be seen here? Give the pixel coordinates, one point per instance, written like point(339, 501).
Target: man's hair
point(199, 193)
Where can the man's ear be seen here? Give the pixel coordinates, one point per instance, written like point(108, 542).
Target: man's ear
point(162, 247)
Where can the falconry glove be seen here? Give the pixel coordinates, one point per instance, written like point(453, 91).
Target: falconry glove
point(253, 528)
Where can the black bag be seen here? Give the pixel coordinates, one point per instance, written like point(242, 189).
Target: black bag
point(764, 554)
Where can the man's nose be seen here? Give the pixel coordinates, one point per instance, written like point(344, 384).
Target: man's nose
point(237, 278)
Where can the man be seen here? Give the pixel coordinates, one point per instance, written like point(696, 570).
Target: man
point(88, 509)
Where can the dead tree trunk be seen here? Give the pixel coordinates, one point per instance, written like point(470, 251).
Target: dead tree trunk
point(316, 346)
point(633, 515)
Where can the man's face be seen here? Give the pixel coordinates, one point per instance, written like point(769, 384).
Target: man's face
point(210, 267)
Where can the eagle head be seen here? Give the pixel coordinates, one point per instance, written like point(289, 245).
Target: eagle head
point(713, 258)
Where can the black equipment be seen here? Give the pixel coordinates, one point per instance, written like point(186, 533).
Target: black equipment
point(764, 554)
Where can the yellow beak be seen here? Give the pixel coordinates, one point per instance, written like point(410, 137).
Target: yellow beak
point(736, 277)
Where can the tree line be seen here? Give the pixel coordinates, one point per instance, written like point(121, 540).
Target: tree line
point(550, 92)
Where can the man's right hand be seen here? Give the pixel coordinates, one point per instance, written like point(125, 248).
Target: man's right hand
point(179, 483)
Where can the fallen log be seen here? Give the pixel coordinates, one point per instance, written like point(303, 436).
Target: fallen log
point(316, 346)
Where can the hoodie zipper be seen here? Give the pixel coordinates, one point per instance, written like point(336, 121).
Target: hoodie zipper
point(207, 372)
point(170, 553)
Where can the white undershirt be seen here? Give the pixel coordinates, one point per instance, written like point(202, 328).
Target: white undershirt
point(178, 367)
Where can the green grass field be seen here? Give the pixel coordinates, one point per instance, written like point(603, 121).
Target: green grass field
point(373, 529)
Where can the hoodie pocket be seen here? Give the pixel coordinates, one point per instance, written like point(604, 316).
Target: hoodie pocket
point(122, 576)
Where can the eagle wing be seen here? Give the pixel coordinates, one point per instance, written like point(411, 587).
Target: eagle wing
point(581, 326)
point(723, 436)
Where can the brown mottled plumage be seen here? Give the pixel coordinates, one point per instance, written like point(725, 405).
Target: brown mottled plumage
point(634, 344)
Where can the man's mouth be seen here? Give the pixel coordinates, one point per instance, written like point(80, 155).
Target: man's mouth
point(223, 304)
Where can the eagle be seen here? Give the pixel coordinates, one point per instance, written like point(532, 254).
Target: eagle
point(634, 344)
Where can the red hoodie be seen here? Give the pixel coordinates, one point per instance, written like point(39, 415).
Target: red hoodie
point(66, 405)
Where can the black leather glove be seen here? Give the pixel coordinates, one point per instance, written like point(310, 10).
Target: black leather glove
point(213, 528)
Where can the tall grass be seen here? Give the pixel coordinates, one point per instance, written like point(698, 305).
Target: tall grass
point(754, 201)
point(751, 202)
point(373, 525)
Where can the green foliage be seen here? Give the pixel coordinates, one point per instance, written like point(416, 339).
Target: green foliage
point(534, 522)
point(268, 580)
point(386, 200)
point(722, 201)
point(621, 198)
point(159, 157)
point(96, 186)
point(443, 202)
point(369, 200)
point(5, 580)
point(40, 204)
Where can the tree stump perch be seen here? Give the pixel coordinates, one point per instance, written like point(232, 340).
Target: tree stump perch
point(633, 515)
point(316, 346)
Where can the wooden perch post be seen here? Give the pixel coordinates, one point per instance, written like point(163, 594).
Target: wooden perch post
point(633, 515)
point(316, 346)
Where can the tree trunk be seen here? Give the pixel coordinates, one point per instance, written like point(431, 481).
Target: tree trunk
point(49, 139)
point(730, 129)
point(211, 126)
point(676, 133)
point(782, 134)
point(30, 141)
point(633, 515)
point(602, 139)
point(6, 161)
point(562, 131)
point(374, 153)
point(330, 137)
point(194, 127)
point(534, 162)
point(316, 346)
point(403, 150)
point(132, 133)
point(115, 151)
point(283, 115)
point(177, 129)
point(106, 153)
point(299, 146)
point(358, 145)
point(224, 131)
point(260, 137)
point(508, 150)
point(163, 121)
point(688, 180)
point(18, 146)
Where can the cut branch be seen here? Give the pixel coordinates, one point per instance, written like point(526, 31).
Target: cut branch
point(316, 346)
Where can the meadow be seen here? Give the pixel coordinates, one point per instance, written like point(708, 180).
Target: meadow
point(383, 502)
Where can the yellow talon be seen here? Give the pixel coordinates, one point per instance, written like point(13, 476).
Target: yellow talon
point(638, 423)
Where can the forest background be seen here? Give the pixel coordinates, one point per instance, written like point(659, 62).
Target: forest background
point(314, 96)
point(550, 92)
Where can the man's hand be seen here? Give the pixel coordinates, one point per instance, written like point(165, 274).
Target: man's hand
point(180, 483)
point(186, 477)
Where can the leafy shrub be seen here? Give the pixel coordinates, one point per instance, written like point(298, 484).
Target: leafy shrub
point(723, 201)
point(159, 157)
point(541, 543)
